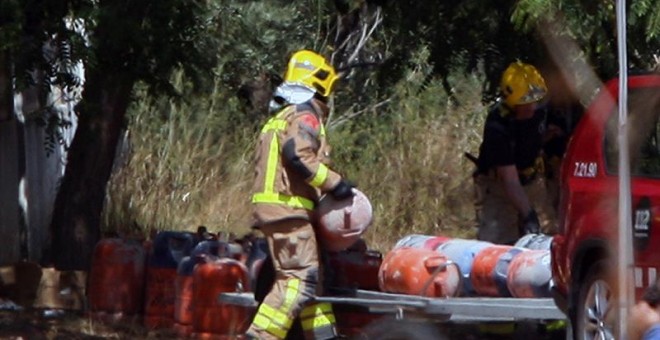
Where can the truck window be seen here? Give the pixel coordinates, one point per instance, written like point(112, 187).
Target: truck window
point(644, 134)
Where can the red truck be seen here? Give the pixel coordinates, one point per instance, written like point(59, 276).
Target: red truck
point(583, 251)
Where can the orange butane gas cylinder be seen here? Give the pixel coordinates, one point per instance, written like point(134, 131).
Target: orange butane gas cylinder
point(211, 318)
point(167, 250)
point(183, 308)
point(116, 279)
point(354, 269)
point(529, 274)
point(490, 268)
point(418, 271)
point(183, 296)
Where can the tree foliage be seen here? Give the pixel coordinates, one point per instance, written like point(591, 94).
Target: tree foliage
point(122, 43)
point(592, 24)
point(462, 35)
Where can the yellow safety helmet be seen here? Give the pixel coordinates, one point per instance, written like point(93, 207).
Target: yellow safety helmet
point(312, 70)
point(522, 84)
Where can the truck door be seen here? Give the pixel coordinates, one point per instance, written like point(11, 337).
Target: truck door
point(644, 133)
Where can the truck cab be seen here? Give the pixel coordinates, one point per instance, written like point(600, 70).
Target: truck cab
point(583, 253)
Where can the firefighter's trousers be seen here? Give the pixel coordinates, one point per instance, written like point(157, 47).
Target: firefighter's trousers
point(497, 217)
point(293, 248)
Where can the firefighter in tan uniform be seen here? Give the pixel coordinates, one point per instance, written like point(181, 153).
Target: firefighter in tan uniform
point(291, 175)
point(509, 181)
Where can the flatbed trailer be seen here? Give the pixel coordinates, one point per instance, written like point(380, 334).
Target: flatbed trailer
point(460, 309)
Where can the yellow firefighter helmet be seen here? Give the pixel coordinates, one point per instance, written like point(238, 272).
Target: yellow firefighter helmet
point(312, 70)
point(522, 84)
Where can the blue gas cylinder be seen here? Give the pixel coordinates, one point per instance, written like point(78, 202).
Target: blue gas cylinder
point(420, 241)
point(502, 269)
point(167, 250)
point(530, 274)
point(169, 247)
point(535, 242)
point(211, 247)
point(462, 252)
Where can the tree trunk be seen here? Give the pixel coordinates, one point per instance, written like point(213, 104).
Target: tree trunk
point(75, 226)
point(6, 91)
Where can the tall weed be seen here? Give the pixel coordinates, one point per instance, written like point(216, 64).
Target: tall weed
point(187, 168)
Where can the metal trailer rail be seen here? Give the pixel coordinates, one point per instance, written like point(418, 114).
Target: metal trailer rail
point(460, 309)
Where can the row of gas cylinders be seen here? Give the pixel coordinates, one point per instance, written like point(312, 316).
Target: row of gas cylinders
point(438, 266)
point(172, 281)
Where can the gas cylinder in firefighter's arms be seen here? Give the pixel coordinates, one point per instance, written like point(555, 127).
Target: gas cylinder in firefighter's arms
point(341, 223)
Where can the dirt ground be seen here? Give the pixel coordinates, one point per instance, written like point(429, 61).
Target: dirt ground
point(47, 324)
point(52, 324)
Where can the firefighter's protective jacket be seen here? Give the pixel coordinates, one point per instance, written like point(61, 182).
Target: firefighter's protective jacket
point(291, 164)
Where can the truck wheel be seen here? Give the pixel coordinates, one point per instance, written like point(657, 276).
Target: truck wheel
point(595, 311)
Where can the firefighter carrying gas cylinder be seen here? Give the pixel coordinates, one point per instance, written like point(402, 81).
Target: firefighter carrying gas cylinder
point(291, 175)
point(509, 181)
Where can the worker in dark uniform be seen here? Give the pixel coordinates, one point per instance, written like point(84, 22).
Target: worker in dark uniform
point(291, 175)
point(509, 178)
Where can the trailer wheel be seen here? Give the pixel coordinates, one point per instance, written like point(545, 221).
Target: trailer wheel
point(595, 311)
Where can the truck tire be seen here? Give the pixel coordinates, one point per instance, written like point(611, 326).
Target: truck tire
point(595, 312)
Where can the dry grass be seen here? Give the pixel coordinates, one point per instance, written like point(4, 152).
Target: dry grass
point(416, 175)
point(187, 169)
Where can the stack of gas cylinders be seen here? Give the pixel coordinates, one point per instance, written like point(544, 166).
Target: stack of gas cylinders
point(172, 281)
point(438, 266)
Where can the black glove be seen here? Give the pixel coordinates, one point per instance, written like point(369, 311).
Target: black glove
point(342, 190)
point(530, 224)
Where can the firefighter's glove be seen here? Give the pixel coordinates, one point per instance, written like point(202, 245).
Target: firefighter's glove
point(343, 190)
point(530, 224)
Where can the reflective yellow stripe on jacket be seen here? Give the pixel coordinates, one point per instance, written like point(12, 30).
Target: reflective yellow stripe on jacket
point(274, 125)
